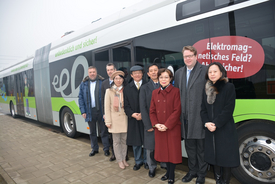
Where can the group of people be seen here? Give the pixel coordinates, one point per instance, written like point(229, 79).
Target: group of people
point(154, 117)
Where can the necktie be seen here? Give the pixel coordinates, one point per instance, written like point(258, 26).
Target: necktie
point(138, 85)
point(156, 85)
point(187, 77)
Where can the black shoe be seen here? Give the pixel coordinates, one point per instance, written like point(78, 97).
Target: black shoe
point(170, 181)
point(152, 174)
point(163, 167)
point(200, 180)
point(107, 153)
point(127, 158)
point(146, 166)
point(93, 153)
point(137, 166)
point(112, 158)
point(163, 178)
point(188, 177)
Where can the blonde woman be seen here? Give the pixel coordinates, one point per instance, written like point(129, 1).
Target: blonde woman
point(115, 117)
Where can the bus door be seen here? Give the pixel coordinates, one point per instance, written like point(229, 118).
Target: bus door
point(19, 94)
point(121, 55)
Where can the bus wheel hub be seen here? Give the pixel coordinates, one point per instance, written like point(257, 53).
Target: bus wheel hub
point(258, 157)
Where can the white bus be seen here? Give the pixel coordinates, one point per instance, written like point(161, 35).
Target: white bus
point(238, 33)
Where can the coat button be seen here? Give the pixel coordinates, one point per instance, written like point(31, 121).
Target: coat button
point(158, 100)
point(163, 111)
point(163, 100)
point(158, 111)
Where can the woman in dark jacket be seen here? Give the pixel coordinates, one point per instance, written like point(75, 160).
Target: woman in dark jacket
point(221, 141)
point(165, 110)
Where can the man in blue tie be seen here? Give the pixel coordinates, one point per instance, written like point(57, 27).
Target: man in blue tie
point(190, 79)
point(90, 107)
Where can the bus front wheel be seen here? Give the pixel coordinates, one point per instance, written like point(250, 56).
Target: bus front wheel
point(257, 152)
point(68, 122)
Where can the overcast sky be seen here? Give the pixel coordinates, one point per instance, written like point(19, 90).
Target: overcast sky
point(27, 25)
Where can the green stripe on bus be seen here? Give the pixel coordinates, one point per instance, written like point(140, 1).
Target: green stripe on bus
point(248, 109)
point(59, 102)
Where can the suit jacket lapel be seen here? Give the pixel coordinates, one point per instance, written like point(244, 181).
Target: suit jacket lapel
point(195, 75)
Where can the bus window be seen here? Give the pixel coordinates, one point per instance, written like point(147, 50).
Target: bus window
point(165, 47)
point(101, 60)
point(256, 23)
point(122, 60)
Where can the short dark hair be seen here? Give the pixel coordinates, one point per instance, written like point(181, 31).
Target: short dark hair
point(111, 64)
point(190, 48)
point(162, 70)
point(153, 64)
point(222, 69)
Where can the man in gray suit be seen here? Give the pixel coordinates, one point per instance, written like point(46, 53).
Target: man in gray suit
point(190, 79)
point(145, 96)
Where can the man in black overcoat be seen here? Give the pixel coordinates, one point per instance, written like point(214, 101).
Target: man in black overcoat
point(135, 131)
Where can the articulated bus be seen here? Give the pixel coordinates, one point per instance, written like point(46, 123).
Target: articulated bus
point(238, 33)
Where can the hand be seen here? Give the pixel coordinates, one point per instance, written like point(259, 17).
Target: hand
point(104, 116)
point(84, 115)
point(139, 116)
point(161, 127)
point(109, 125)
point(150, 130)
point(210, 126)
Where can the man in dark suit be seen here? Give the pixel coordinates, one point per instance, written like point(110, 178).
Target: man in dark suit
point(110, 69)
point(149, 134)
point(190, 79)
point(135, 131)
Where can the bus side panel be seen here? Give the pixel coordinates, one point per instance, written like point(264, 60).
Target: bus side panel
point(42, 85)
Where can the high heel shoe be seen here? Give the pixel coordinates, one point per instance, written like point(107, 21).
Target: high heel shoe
point(121, 165)
point(125, 163)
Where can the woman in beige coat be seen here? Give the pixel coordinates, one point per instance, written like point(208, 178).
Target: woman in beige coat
point(115, 117)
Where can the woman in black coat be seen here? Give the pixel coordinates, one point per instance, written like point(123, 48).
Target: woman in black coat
point(221, 141)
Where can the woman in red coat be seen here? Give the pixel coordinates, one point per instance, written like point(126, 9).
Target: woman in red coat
point(165, 113)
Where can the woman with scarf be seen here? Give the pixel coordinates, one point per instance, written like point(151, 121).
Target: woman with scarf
point(221, 141)
point(115, 117)
point(165, 110)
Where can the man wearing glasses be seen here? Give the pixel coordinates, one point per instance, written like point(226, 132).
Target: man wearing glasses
point(190, 79)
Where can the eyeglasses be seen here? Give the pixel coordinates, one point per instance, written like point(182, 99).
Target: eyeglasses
point(137, 73)
point(188, 56)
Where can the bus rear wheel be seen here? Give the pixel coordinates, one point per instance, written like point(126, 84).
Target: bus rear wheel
point(68, 123)
point(257, 152)
point(12, 111)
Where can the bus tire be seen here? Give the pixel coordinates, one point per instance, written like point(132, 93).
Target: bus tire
point(68, 123)
point(257, 152)
point(12, 110)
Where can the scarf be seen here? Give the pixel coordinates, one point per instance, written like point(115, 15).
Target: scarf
point(118, 98)
point(212, 90)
